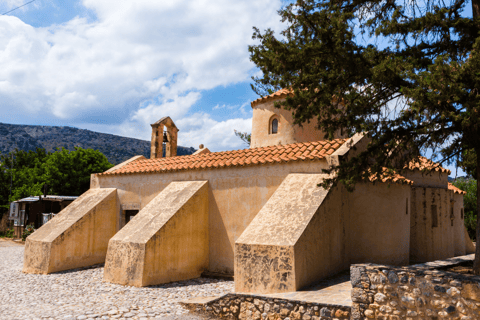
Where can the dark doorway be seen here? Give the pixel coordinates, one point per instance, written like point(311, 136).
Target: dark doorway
point(129, 214)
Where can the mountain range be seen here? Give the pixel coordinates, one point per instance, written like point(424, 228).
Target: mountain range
point(116, 148)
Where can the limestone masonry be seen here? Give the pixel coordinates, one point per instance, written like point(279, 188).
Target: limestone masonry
point(416, 292)
point(256, 214)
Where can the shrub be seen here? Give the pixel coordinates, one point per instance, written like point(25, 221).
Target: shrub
point(9, 233)
point(28, 231)
point(469, 204)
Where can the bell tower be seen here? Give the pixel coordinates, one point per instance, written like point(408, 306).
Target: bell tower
point(159, 137)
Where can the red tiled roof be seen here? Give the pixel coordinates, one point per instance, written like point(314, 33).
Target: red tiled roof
point(282, 93)
point(455, 189)
point(424, 164)
point(314, 150)
point(391, 176)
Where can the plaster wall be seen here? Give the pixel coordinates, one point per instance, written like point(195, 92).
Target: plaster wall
point(77, 237)
point(166, 241)
point(378, 223)
point(321, 249)
point(432, 179)
point(327, 229)
point(432, 237)
point(287, 132)
point(296, 232)
point(458, 224)
point(229, 212)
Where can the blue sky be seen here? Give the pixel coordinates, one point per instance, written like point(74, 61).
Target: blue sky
point(116, 66)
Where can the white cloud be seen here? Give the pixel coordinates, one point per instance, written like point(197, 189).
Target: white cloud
point(215, 135)
point(176, 107)
point(139, 61)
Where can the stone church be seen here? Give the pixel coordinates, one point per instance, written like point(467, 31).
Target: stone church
point(256, 214)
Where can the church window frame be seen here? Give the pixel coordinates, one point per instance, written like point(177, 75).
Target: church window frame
point(274, 123)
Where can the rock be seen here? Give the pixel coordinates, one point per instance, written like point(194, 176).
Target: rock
point(440, 289)
point(392, 277)
point(411, 313)
point(369, 314)
point(325, 312)
point(380, 298)
point(450, 309)
point(356, 275)
point(359, 296)
point(453, 292)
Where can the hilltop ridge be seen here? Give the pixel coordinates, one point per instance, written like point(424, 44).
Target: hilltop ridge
point(116, 148)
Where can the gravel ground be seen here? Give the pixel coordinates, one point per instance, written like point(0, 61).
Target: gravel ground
point(81, 294)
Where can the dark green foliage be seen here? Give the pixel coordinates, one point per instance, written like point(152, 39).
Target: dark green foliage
point(8, 234)
point(68, 172)
point(468, 162)
point(469, 203)
point(4, 188)
point(24, 174)
point(28, 231)
point(422, 61)
point(406, 72)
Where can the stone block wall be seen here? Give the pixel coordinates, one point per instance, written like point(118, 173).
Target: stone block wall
point(414, 292)
point(251, 307)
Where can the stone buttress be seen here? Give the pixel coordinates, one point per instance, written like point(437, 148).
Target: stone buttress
point(296, 238)
point(77, 237)
point(166, 241)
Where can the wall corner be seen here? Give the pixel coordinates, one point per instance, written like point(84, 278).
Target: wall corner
point(94, 181)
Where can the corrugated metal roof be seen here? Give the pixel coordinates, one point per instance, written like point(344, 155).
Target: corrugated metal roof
point(48, 197)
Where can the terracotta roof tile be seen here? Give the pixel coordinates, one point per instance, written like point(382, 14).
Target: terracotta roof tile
point(455, 189)
point(282, 93)
point(391, 176)
point(424, 164)
point(256, 156)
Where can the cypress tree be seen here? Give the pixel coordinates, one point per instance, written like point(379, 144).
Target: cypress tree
point(405, 72)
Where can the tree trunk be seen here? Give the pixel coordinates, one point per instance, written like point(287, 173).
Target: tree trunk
point(476, 8)
point(476, 263)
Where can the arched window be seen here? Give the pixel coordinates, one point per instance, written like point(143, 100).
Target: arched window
point(274, 126)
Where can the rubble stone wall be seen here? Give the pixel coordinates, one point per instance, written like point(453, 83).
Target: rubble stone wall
point(414, 292)
point(249, 307)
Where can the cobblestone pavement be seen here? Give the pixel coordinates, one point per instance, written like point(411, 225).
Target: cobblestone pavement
point(81, 294)
point(9, 243)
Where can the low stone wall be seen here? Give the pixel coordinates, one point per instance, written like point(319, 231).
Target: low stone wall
point(250, 307)
point(414, 292)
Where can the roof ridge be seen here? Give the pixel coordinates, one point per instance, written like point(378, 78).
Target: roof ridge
point(425, 164)
point(299, 151)
point(276, 95)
